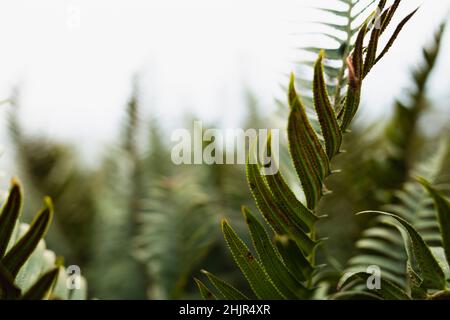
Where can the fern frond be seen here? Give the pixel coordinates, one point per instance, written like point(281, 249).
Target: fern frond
point(175, 233)
point(116, 271)
point(311, 157)
point(382, 245)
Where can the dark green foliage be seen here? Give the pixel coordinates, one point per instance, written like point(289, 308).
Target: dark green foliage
point(26, 270)
point(113, 267)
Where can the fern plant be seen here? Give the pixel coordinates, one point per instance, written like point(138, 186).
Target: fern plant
point(286, 268)
point(426, 271)
point(382, 245)
point(176, 218)
point(115, 270)
point(29, 271)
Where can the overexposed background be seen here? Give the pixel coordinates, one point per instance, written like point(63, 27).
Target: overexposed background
point(74, 60)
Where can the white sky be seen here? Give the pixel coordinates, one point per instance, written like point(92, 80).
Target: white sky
point(191, 55)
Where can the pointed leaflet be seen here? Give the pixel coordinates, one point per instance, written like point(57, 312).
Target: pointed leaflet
point(395, 35)
point(381, 5)
point(388, 290)
point(9, 216)
point(281, 221)
point(42, 288)
point(327, 117)
point(257, 278)
point(416, 291)
point(294, 258)
point(420, 258)
point(286, 199)
point(388, 18)
point(371, 51)
point(289, 203)
point(310, 160)
point(8, 290)
point(355, 74)
point(270, 259)
point(204, 291)
point(21, 251)
point(443, 212)
point(226, 290)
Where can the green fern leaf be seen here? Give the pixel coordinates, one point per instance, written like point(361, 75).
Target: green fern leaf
point(443, 210)
point(355, 67)
point(9, 216)
point(388, 290)
point(420, 257)
point(270, 259)
point(294, 258)
point(252, 269)
point(327, 117)
point(8, 290)
point(281, 221)
point(42, 288)
point(395, 35)
point(310, 160)
point(21, 251)
point(227, 291)
point(388, 17)
point(204, 291)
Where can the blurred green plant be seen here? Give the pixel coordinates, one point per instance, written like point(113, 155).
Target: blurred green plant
point(421, 270)
point(117, 272)
point(381, 244)
point(29, 271)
